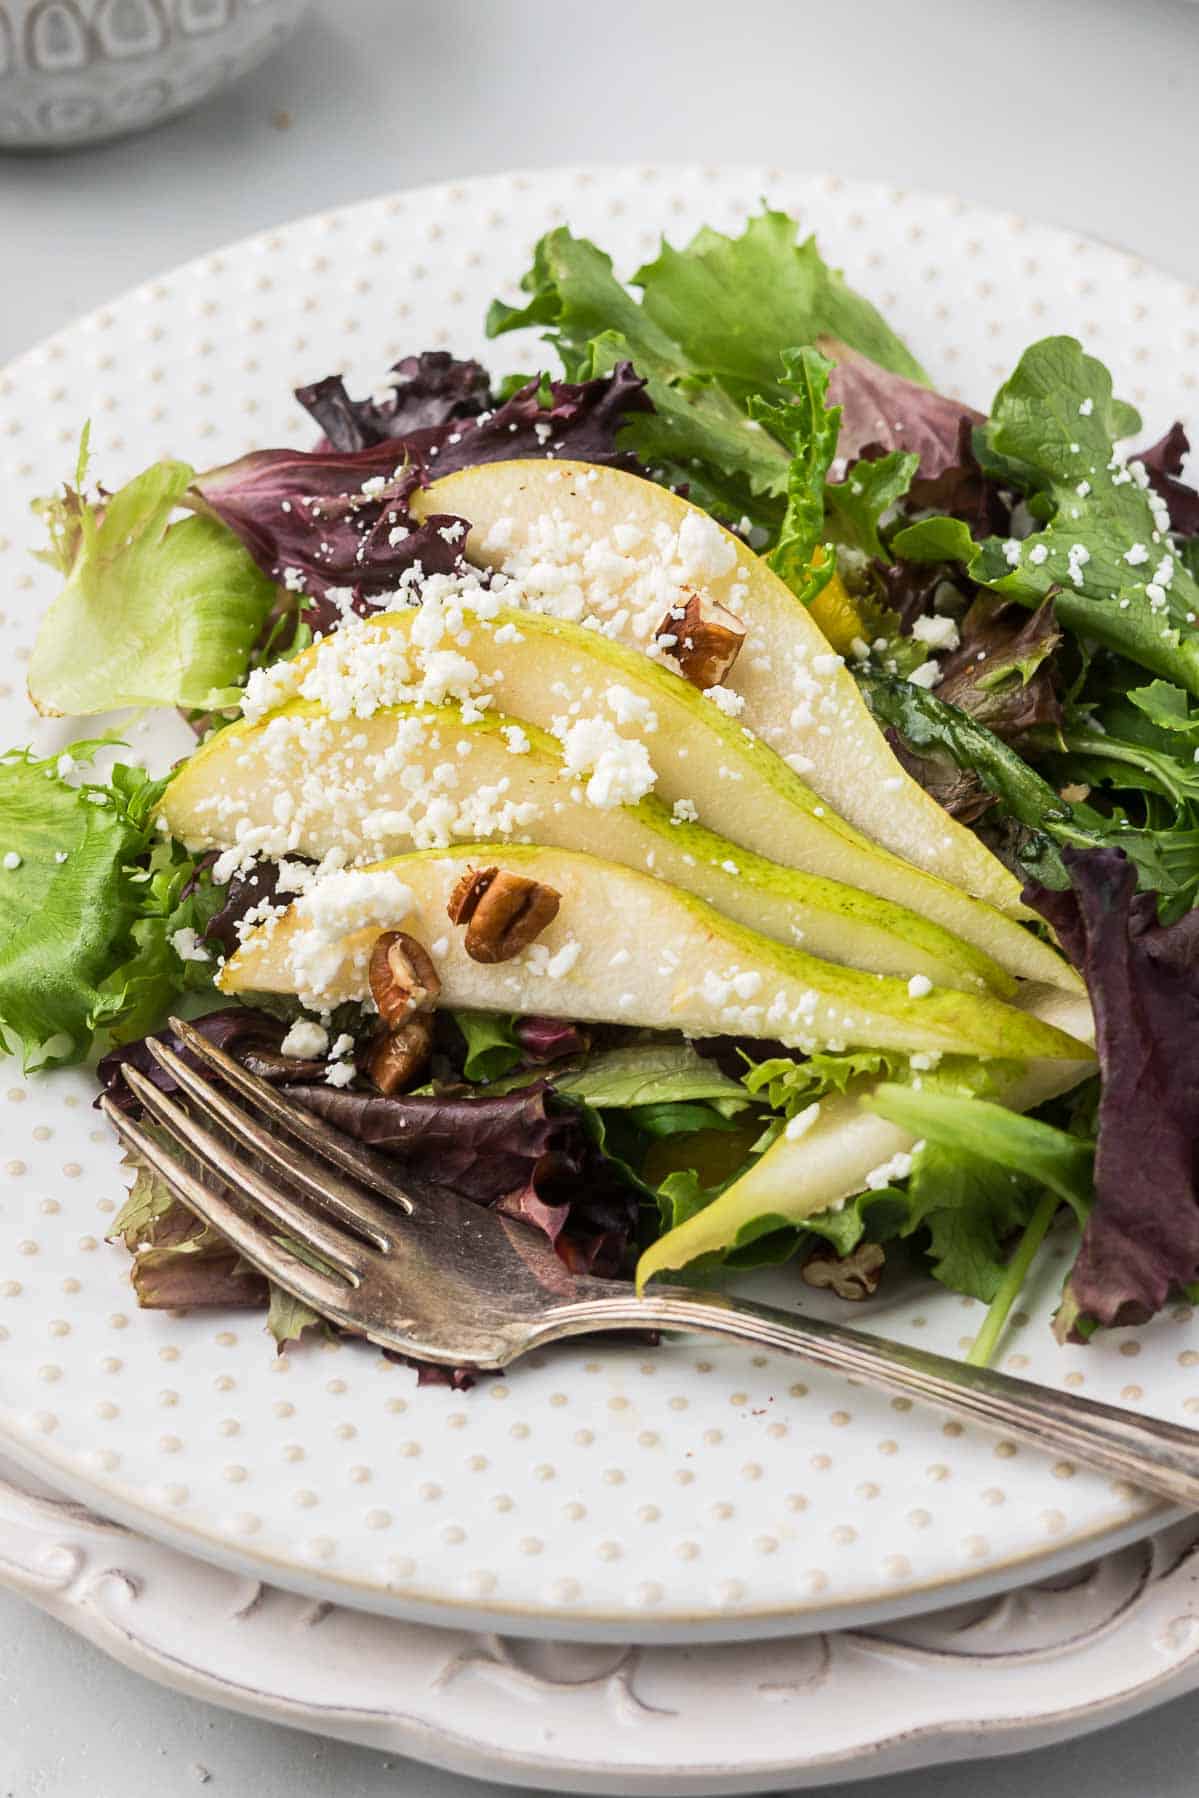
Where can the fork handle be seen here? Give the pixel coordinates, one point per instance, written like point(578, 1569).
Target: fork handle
point(1161, 1457)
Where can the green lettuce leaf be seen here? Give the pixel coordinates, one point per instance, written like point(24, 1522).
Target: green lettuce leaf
point(652, 1074)
point(809, 429)
point(1166, 857)
point(1052, 434)
point(857, 504)
point(789, 1086)
point(152, 613)
point(491, 1046)
point(736, 303)
point(710, 331)
point(1169, 709)
point(88, 911)
point(1011, 1140)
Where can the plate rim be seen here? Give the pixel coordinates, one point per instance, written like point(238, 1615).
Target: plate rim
point(586, 1624)
point(59, 1555)
point(707, 1625)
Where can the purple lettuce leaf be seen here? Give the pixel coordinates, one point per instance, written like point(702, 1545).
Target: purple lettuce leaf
point(1002, 672)
point(578, 420)
point(958, 791)
point(252, 1036)
point(426, 390)
point(335, 523)
point(1141, 1241)
point(909, 589)
point(510, 1150)
point(182, 1273)
point(549, 1039)
point(1163, 464)
point(334, 526)
point(260, 886)
point(579, 423)
point(881, 412)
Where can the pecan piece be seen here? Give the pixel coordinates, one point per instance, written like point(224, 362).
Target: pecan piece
point(467, 893)
point(503, 912)
point(704, 638)
point(397, 1056)
point(854, 1276)
point(403, 979)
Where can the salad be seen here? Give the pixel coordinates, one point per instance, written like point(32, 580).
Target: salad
point(714, 798)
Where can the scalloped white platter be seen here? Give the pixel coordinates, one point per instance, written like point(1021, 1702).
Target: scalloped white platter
point(689, 1493)
point(1046, 1662)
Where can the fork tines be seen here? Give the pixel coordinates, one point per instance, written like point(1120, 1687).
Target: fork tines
point(313, 1210)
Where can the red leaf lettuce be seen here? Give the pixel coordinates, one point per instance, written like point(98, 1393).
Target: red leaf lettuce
point(1142, 1239)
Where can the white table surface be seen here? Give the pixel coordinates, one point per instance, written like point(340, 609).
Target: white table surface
point(1080, 112)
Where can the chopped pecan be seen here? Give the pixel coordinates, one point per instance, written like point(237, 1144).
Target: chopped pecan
point(403, 979)
point(467, 893)
point(397, 1056)
point(703, 637)
point(854, 1276)
point(503, 912)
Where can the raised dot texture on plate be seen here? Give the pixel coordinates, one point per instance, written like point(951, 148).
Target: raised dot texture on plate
point(682, 1440)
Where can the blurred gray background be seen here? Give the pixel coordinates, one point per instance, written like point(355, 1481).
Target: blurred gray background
point(1077, 112)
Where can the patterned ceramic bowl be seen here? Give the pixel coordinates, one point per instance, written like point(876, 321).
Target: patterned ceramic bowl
point(79, 71)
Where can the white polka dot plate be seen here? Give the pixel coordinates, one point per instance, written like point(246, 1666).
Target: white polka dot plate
point(1042, 1664)
point(684, 1493)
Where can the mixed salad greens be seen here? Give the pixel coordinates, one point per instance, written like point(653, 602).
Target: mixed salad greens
point(723, 802)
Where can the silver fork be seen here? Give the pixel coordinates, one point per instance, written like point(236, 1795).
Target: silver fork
point(444, 1280)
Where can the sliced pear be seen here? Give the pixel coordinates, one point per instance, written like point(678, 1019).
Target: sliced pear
point(550, 672)
point(415, 777)
point(586, 542)
point(623, 947)
point(832, 1159)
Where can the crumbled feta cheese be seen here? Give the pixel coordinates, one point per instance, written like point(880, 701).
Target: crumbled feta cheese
point(1137, 554)
point(628, 707)
point(802, 1122)
point(725, 700)
point(927, 675)
point(937, 632)
point(619, 767)
point(1011, 552)
point(704, 550)
point(66, 764)
point(1085, 408)
point(919, 986)
point(186, 945)
point(515, 738)
point(1076, 560)
point(684, 811)
point(1038, 554)
point(339, 1073)
point(564, 960)
point(305, 1039)
point(898, 1168)
point(334, 908)
point(12, 861)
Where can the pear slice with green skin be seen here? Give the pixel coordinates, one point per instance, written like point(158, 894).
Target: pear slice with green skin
point(623, 948)
point(830, 1161)
point(539, 520)
point(340, 785)
point(545, 670)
